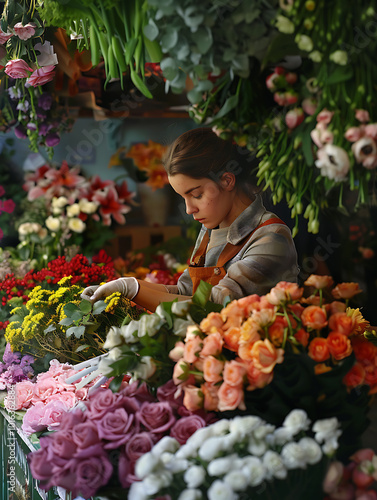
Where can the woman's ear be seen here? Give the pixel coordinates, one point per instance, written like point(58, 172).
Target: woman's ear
point(228, 181)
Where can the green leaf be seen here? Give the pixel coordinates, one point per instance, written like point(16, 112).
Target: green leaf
point(203, 39)
point(70, 308)
point(169, 67)
point(99, 307)
point(307, 145)
point(77, 331)
point(340, 74)
point(50, 328)
point(194, 96)
point(150, 30)
point(85, 306)
point(82, 347)
point(116, 383)
point(169, 40)
point(202, 294)
point(66, 322)
point(229, 104)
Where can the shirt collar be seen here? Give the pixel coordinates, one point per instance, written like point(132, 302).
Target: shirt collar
point(247, 221)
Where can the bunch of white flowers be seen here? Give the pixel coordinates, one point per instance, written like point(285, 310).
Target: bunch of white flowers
point(235, 458)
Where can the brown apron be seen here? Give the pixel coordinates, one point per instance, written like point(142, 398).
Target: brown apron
point(213, 274)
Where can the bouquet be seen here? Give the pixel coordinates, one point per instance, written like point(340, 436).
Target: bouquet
point(148, 158)
point(241, 458)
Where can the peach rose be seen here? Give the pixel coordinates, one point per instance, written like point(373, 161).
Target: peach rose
point(193, 398)
point(211, 399)
point(265, 356)
point(249, 331)
point(264, 317)
point(213, 319)
point(232, 315)
point(24, 392)
point(177, 352)
point(17, 68)
point(180, 372)
point(313, 300)
point(319, 282)
point(232, 338)
point(292, 290)
point(319, 350)
point(212, 369)
point(276, 296)
point(212, 344)
point(340, 322)
point(230, 397)
point(320, 368)
point(256, 378)
point(314, 317)
point(41, 76)
point(244, 350)
point(302, 336)
point(276, 330)
point(249, 303)
point(339, 345)
point(192, 349)
point(355, 376)
point(346, 290)
point(337, 307)
point(234, 373)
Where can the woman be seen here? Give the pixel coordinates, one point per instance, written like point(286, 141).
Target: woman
point(241, 249)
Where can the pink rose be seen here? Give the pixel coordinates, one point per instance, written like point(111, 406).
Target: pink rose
point(24, 392)
point(4, 37)
point(230, 397)
point(234, 373)
point(41, 76)
point(85, 476)
point(85, 434)
point(24, 32)
point(156, 417)
point(45, 388)
point(362, 115)
point(71, 419)
point(138, 444)
point(60, 446)
point(67, 397)
point(124, 471)
point(363, 454)
point(17, 68)
point(115, 427)
point(167, 393)
point(193, 397)
point(212, 344)
point(185, 427)
point(32, 421)
point(53, 414)
point(101, 402)
point(139, 393)
point(40, 465)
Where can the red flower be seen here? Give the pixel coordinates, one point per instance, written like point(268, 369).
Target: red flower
point(111, 206)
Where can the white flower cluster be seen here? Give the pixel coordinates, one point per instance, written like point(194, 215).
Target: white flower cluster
point(210, 456)
point(71, 215)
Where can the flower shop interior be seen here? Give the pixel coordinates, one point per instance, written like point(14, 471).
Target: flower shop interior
point(264, 395)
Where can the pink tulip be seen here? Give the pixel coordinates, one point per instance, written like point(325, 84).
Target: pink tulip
point(294, 118)
point(362, 115)
point(17, 68)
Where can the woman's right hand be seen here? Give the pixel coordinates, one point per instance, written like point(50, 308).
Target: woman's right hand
point(128, 287)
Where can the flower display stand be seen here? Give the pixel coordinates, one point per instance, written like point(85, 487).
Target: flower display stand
point(16, 480)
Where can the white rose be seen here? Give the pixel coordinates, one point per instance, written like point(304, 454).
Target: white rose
point(284, 25)
point(115, 353)
point(280, 436)
point(145, 369)
point(339, 57)
point(73, 210)
point(180, 326)
point(325, 429)
point(147, 464)
point(297, 421)
point(190, 494)
point(88, 207)
point(76, 225)
point(254, 470)
point(274, 465)
point(137, 491)
point(60, 202)
point(127, 332)
point(35, 227)
point(293, 456)
point(220, 491)
point(263, 430)
point(166, 444)
point(149, 324)
point(196, 440)
point(181, 307)
point(177, 352)
point(243, 426)
point(257, 447)
point(312, 450)
point(177, 465)
point(211, 448)
point(24, 229)
point(155, 481)
point(187, 451)
point(315, 56)
point(221, 427)
point(53, 223)
point(113, 338)
point(331, 445)
point(304, 42)
point(194, 476)
point(236, 480)
point(220, 466)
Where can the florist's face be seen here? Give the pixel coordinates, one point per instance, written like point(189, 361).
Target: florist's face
point(205, 200)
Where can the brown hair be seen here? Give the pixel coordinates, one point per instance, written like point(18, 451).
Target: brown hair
point(200, 153)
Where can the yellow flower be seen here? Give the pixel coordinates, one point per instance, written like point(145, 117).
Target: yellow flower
point(60, 312)
point(112, 301)
point(65, 280)
point(16, 310)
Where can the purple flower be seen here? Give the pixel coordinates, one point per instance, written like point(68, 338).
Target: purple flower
point(88, 475)
point(44, 128)
point(26, 360)
point(85, 434)
point(31, 126)
point(41, 116)
point(156, 417)
point(185, 427)
point(138, 444)
point(115, 427)
point(45, 101)
point(52, 140)
point(9, 357)
point(19, 132)
point(167, 393)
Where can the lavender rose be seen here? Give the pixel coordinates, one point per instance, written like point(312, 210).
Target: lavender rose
point(85, 434)
point(167, 393)
point(185, 427)
point(101, 402)
point(156, 417)
point(115, 427)
point(138, 444)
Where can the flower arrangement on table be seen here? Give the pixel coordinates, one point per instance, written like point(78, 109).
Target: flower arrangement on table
point(66, 211)
point(148, 159)
point(29, 63)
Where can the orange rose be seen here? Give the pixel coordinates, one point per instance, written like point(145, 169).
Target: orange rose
point(339, 345)
point(320, 368)
point(212, 369)
point(292, 290)
point(232, 338)
point(337, 307)
point(231, 398)
point(340, 322)
point(212, 344)
point(265, 356)
point(319, 281)
point(302, 336)
point(318, 349)
point(370, 374)
point(296, 309)
point(364, 350)
point(313, 300)
point(276, 330)
point(232, 315)
point(211, 398)
point(346, 290)
point(193, 398)
point(359, 323)
point(355, 376)
point(249, 331)
point(314, 317)
point(256, 378)
point(249, 303)
point(212, 320)
point(180, 372)
point(234, 373)
point(244, 350)
point(192, 349)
